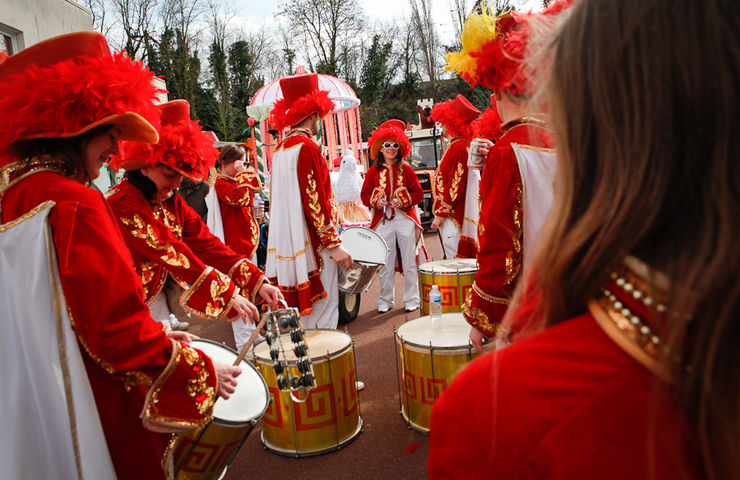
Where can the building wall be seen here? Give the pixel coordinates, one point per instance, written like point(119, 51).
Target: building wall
point(30, 21)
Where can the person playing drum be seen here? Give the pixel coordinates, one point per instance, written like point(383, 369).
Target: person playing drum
point(303, 247)
point(392, 190)
point(450, 180)
point(167, 237)
point(56, 137)
point(500, 225)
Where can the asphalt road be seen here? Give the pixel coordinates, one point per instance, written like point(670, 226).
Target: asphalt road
point(386, 447)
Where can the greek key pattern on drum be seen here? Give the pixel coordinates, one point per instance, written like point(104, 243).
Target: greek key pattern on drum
point(429, 389)
point(319, 411)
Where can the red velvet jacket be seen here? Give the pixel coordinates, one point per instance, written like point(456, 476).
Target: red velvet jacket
point(321, 215)
point(134, 369)
point(170, 237)
point(383, 182)
point(235, 199)
point(566, 403)
point(500, 230)
point(450, 185)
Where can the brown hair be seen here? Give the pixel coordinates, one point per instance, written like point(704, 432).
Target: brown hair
point(643, 97)
point(71, 151)
point(230, 153)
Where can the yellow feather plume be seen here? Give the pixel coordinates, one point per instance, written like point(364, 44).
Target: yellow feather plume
point(477, 30)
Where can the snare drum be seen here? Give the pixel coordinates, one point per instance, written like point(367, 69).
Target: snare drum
point(454, 277)
point(205, 453)
point(430, 354)
point(324, 418)
point(369, 251)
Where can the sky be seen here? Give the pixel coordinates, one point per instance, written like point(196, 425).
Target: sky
point(253, 13)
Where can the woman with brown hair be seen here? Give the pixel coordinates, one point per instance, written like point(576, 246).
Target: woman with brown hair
point(636, 372)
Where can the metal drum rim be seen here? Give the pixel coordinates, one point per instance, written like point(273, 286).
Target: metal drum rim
point(315, 360)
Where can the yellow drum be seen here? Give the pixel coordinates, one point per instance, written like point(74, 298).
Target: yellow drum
point(454, 278)
point(206, 453)
point(430, 354)
point(320, 420)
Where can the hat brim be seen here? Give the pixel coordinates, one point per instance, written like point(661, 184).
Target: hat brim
point(134, 128)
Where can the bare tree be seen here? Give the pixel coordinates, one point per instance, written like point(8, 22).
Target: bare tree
point(136, 21)
point(325, 27)
point(183, 16)
point(98, 8)
point(426, 35)
point(459, 10)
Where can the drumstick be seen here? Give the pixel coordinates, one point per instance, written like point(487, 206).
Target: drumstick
point(251, 340)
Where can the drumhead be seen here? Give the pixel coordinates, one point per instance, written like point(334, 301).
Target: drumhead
point(251, 397)
point(451, 330)
point(364, 245)
point(451, 266)
point(319, 342)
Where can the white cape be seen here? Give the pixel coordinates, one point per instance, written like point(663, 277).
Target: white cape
point(537, 167)
point(472, 207)
point(51, 427)
point(289, 252)
point(213, 217)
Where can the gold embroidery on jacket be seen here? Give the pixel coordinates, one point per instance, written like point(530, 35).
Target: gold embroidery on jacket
point(455, 186)
point(140, 229)
point(198, 389)
point(218, 287)
point(514, 256)
point(169, 219)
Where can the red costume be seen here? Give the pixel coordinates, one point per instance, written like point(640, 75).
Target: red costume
point(383, 182)
point(451, 178)
point(170, 237)
point(399, 227)
point(235, 199)
point(143, 382)
point(530, 408)
point(500, 228)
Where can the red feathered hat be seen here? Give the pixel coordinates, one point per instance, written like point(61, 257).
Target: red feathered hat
point(67, 85)
point(392, 131)
point(301, 98)
point(494, 48)
point(457, 115)
point(488, 125)
point(183, 145)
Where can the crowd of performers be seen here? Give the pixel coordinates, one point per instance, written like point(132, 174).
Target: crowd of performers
point(615, 329)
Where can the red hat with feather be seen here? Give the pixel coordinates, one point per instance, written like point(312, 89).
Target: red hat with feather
point(390, 131)
point(70, 84)
point(457, 115)
point(183, 145)
point(301, 98)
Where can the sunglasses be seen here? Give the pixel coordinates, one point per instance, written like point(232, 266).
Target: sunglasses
point(390, 145)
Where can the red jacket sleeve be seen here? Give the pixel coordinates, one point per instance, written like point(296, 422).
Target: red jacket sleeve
point(213, 252)
point(319, 204)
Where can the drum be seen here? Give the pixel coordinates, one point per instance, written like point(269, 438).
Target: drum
point(430, 353)
point(369, 251)
point(206, 453)
point(454, 277)
point(320, 420)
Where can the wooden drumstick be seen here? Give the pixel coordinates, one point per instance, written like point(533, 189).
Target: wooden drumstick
point(251, 340)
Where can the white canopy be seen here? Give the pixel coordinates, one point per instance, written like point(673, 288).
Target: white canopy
point(341, 93)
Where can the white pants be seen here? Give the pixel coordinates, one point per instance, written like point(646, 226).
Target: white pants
point(159, 310)
point(326, 311)
point(400, 230)
point(450, 237)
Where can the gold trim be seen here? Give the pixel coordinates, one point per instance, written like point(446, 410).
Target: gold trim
point(26, 216)
point(616, 327)
point(490, 298)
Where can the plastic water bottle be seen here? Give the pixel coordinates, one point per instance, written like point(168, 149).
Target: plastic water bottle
point(435, 303)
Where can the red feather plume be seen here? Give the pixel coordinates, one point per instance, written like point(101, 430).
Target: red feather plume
point(286, 114)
